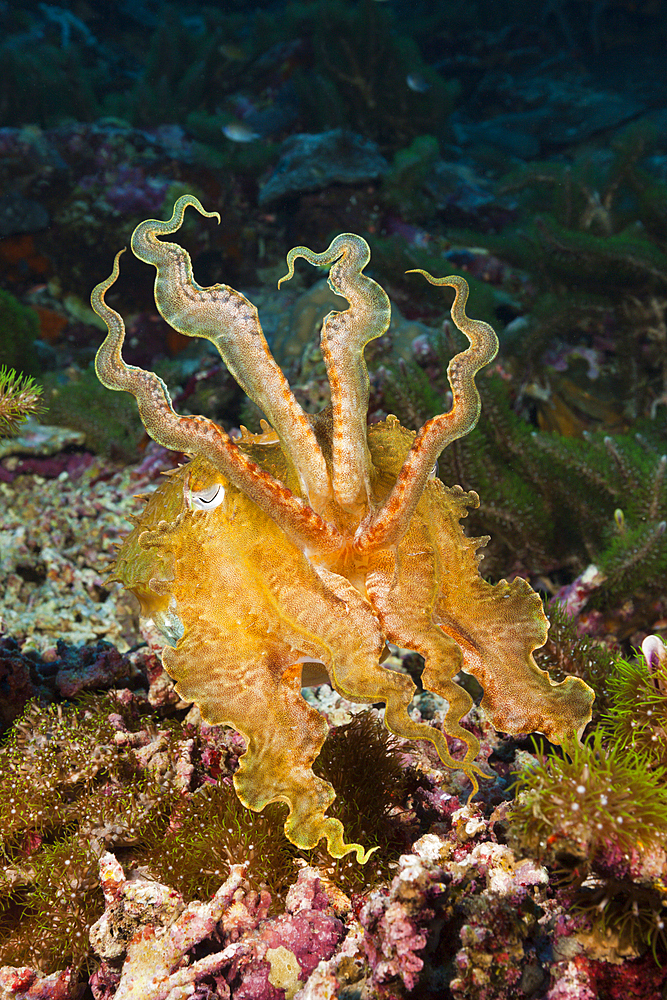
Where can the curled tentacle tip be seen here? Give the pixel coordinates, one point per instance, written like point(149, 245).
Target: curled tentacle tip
point(362, 855)
point(115, 270)
point(290, 272)
point(452, 281)
point(471, 775)
point(191, 199)
point(98, 292)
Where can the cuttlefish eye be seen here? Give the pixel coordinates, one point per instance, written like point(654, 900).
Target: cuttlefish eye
point(209, 498)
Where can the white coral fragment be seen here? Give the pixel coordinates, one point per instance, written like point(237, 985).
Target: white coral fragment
point(152, 925)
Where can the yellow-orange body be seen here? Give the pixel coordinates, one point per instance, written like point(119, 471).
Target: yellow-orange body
point(319, 541)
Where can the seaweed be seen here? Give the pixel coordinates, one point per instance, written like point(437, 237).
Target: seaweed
point(554, 503)
point(358, 76)
point(111, 424)
point(68, 790)
point(20, 398)
point(19, 329)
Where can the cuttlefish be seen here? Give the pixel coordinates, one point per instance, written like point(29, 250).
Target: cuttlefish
point(298, 553)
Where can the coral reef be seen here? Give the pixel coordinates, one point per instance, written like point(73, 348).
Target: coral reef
point(132, 862)
point(15, 679)
point(637, 715)
point(104, 774)
point(326, 539)
point(592, 800)
point(148, 923)
point(54, 547)
point(260, 958)
point(69, 787)
point(207, 833)
point(522, 146)
point(600, 817)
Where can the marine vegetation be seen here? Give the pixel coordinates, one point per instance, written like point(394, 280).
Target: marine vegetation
point(79, 402)
point(209, 831)
point(637, 718)
point(591, 234)
point(554, 502)
point(294, 556)
point(587, 224)
point(19, 329)
point(20, 398)
point(590, 797)
point(369, 787)
point(362, 85)
point(71, 785)
point(569, 651)
point(106, 774)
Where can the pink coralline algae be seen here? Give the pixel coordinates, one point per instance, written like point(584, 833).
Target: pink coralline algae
point(413, 930)
point(151, 925)
point(580, 972)
point(464, 917)
point(26, 984)
point(288, 948)
point(249, 955)
point(396, 924)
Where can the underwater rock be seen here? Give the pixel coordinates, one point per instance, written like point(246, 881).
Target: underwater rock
point(21, 215)
point(261, 959)
point(16, 685)
point(83, 668)
point(150, 923)
point(465, 197)
point(27, 984)
point(70, 465)
point(40, 439)
point(313, 162)
point(290, 946)
point(548, 113)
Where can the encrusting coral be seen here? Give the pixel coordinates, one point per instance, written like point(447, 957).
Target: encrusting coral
point(599, 815)
point(599, 818)
point(637, 719)
point(72, 782)
point(293, 556)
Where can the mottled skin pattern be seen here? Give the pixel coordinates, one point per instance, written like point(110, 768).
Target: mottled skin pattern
point(317, 542)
